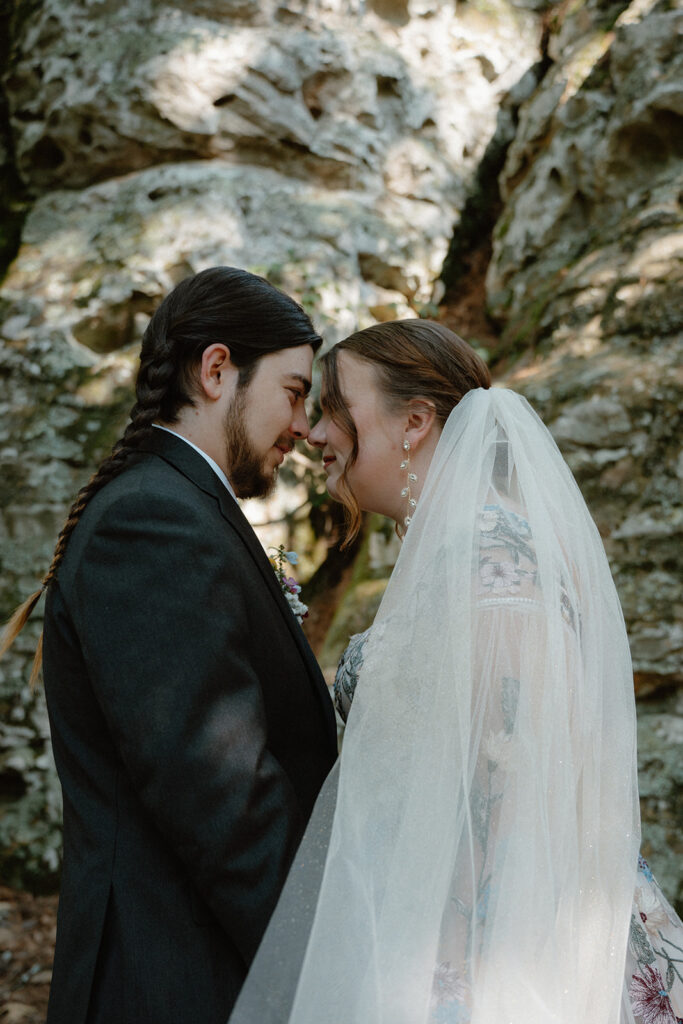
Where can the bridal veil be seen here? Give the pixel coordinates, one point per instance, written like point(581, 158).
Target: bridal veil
point(479, 861)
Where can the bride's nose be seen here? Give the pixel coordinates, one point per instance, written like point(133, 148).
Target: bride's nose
point(318, 435)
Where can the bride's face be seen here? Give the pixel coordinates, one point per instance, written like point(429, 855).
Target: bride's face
point(375, 478)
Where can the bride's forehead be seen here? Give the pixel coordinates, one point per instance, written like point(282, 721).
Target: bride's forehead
point(357, 376)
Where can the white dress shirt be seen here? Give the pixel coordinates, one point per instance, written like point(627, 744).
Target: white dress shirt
point(214, 465)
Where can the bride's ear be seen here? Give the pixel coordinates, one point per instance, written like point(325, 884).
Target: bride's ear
point(421, 417)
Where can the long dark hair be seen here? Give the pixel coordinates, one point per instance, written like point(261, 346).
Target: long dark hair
point(222, 304)
point(412, 359)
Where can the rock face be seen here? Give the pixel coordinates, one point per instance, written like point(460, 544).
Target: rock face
point(331, 148)
point(326, 146)
point(586, 282)
point(660, 777)
point(588, 272)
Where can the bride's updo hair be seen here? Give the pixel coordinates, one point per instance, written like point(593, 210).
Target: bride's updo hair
point(412, 359)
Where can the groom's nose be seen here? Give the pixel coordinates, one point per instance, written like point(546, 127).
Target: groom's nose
point(299, 426)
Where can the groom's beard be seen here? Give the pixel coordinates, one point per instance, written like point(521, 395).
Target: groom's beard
point(248, 471)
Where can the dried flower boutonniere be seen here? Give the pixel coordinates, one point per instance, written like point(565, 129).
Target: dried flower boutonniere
point(290, 588)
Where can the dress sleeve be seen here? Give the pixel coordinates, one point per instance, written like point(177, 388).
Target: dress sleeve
point(348, 670)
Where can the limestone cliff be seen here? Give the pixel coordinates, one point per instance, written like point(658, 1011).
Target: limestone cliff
point(332, 146)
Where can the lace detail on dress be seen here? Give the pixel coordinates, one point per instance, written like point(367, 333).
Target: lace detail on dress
point(654, 963)
point(348, 670)
point(508, 566)
point(507, 575)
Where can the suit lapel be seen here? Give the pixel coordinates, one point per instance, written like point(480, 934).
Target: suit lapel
point(181, 456)
point(234, 515)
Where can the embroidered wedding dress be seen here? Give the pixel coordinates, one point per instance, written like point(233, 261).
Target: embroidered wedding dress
point(653, 980)
point(473, 857)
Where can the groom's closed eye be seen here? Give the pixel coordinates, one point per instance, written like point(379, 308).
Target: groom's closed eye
point(297, 382)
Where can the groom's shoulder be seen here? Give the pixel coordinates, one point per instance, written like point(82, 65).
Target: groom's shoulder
point(147, 488)
point(148, 498)
point(145, 476)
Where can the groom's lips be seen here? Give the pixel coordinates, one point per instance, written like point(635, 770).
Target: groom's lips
point(284, 450)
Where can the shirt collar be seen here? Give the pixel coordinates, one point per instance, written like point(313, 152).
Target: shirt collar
point(214, 465)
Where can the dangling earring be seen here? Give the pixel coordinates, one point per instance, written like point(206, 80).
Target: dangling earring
point(407, 490)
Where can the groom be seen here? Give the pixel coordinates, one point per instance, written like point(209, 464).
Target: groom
point(191, 726)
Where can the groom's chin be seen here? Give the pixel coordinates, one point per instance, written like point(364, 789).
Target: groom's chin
point(259, 485)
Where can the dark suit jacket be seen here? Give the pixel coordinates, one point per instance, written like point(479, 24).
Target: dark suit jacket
point(192, 731)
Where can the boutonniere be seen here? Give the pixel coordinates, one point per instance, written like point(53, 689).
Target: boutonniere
point(290, 588)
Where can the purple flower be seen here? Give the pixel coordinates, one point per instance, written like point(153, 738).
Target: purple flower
point(290, 588)
point(644, 867)
point(649, 998)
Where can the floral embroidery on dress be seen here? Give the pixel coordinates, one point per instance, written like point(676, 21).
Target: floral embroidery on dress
point(502, 528)
point(654, 968)
point(510, 700)
point(501, 577)
point(639, 944)
point(348, 670)
point(507, 559)
point(566, 607)
point(652, 913)
point(644, 868)
point(504, 531)
point(649, 998)
point(448, 984)
point(489, 519)
point(656, 961)
point(500, 751)
point(449, 996)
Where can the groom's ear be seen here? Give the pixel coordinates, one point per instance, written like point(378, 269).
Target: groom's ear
point(421, 417)
point(217, 372)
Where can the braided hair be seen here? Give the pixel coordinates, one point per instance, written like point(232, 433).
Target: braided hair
point(244, 311)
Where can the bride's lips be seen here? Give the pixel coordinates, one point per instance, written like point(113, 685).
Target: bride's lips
point(328, 460)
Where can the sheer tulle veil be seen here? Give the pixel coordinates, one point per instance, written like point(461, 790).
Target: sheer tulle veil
point(478, 861)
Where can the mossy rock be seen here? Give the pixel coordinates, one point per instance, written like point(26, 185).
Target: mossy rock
point(358, 607)
point(354, 615)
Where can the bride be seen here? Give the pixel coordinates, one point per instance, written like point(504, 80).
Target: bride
point(473, 857)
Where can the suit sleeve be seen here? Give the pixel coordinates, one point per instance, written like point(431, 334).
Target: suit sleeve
point(166, 628)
